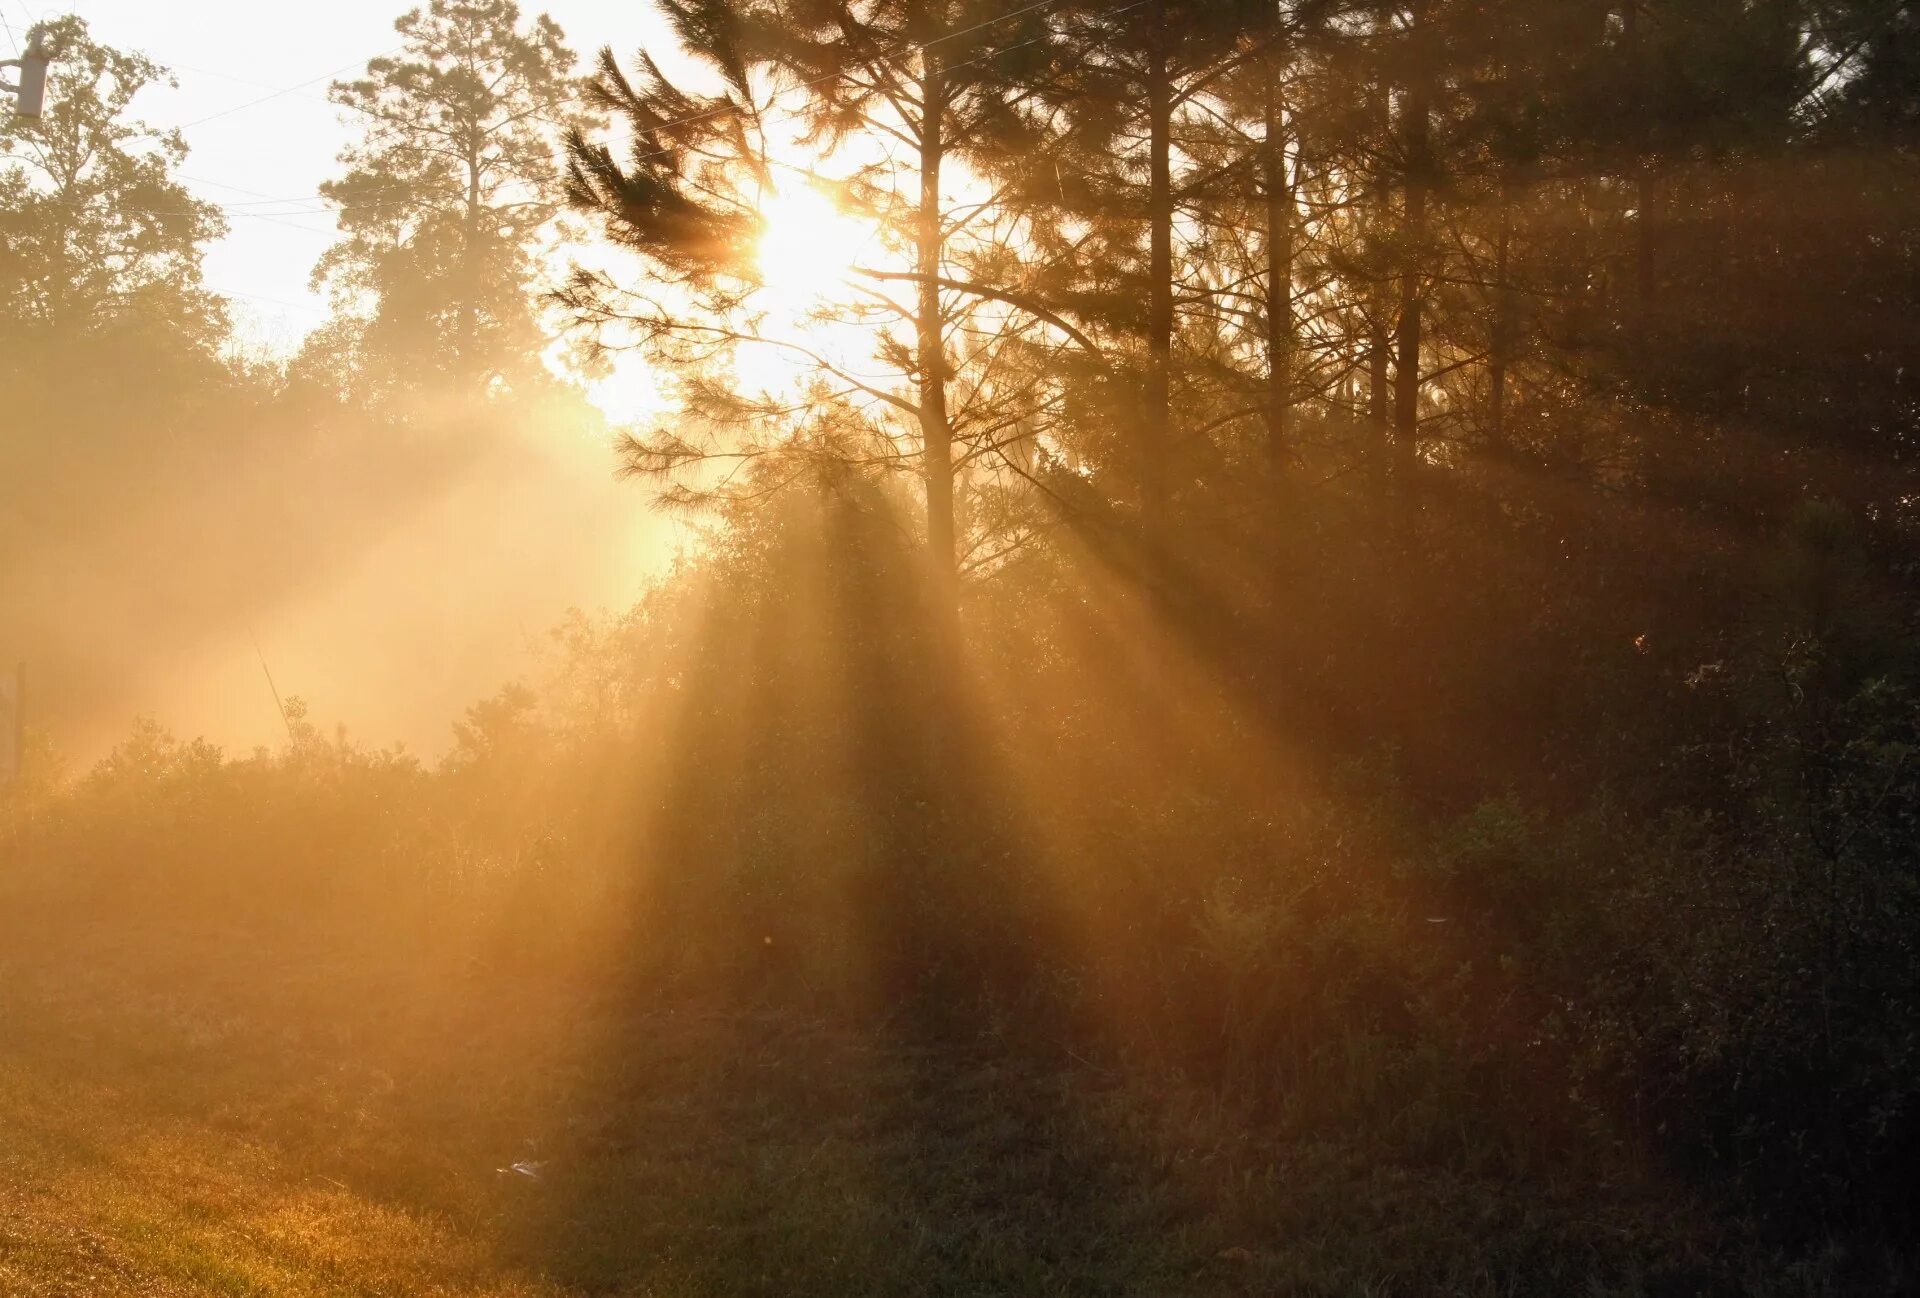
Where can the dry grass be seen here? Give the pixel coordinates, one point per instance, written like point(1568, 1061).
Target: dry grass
point(220, 1114)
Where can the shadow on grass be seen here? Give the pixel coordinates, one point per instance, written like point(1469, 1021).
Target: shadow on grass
point(755, 1155)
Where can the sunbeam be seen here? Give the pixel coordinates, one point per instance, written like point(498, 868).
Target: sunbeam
point(922, 647)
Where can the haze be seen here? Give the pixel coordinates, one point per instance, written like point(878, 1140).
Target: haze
point(123, 627)
point(876, 648)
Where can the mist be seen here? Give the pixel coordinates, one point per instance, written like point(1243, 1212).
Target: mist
point(387, 579)
point(989, 647)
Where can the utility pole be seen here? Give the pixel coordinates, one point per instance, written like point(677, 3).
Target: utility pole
point(29, 98)
point(30, 94)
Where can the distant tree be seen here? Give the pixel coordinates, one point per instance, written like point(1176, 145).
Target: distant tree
point(95, 228)
point(446, 198)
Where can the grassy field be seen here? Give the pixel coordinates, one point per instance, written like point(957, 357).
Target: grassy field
point(197, 1117)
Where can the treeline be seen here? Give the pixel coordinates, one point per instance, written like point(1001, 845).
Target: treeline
point(1445, 366)
point(172, 484)
point(1151, 245)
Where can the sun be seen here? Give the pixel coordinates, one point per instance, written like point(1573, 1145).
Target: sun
point(807, 248)
point(804, 258)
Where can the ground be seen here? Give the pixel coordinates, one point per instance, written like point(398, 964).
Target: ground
point(215, 1114)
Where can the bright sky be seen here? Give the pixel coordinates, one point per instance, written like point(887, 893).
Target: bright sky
point(228, 56)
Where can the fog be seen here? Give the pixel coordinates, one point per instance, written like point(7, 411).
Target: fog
point(1136, 647)
point(387, 602)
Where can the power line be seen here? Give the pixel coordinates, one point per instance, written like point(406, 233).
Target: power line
point(305, 307)
point(233, 210)
point(12, 38)
point(264, 199)
point(176, 66)
point(286, 90)
point(905, 48)
point(239, 209)
point(236, 209)
point(898, 51)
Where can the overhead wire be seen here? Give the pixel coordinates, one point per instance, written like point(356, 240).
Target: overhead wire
point(237, 209)
point(285, 206)
point(306, 201)
point(306, 308)
point(285, 90)
point(908, 47)
point(282, 204)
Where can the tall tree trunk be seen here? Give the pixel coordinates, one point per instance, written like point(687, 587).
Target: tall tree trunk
point(469, 358)
point(59, 279)
point(1379, 309)
point(1159, 396)
point(1379, 376)
point(1501, 351)
point(1406, 386)
point(936, 432)
point(1280, 220)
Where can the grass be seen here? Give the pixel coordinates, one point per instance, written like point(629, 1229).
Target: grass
point(229, 1113)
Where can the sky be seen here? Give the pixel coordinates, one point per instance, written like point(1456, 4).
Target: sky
point(444, 604)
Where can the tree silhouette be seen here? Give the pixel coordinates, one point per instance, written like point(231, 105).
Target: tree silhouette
point(447, 198)
point(934, 85)
point(95, 227)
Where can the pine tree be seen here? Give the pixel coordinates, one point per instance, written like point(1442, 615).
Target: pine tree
point(939, 83)
point(446, 198)
point(1107, 192)
point(943, 78)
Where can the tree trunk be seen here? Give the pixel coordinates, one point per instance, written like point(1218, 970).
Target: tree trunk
point(1158, 431)
point(1406, 387)
point(1501, 351)
point(59, 280)
point(1379, 380)
point(1280, 219)
point(469, 359)
point(1379, 311)
point(935, 431)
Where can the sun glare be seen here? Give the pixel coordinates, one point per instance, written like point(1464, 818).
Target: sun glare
point(807, 247)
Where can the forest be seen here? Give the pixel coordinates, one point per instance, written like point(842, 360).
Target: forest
point(1290, 670)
